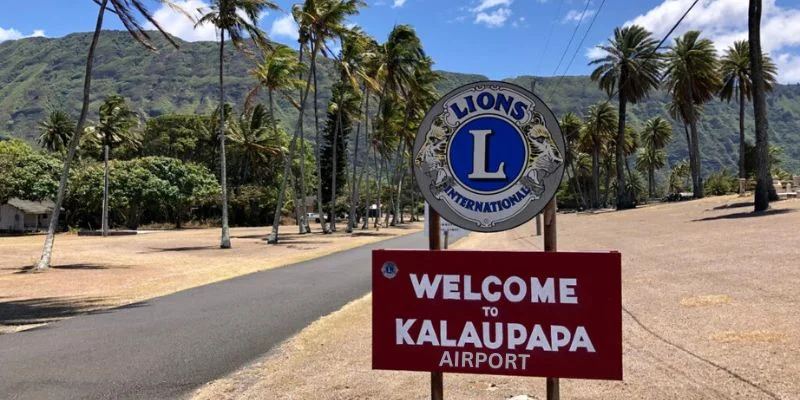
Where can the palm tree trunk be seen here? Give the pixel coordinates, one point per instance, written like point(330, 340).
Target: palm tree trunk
point(742, 150)
point(651, 181)
point(336, 132)
point(578, 193)
point(623, 197)
point(47, 250)
point(303, 226)
point(351, 216)
point(765, 191)
point(287, 167)
point(317, 144)
point(367, 191)
point(225, 240)
point(596, 175)
point(694, 152)
point(379, 196)
point(104, 221)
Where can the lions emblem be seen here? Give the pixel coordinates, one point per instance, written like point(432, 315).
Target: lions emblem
point(488, 156)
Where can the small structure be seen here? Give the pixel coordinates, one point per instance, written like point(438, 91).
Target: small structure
point(23, 215)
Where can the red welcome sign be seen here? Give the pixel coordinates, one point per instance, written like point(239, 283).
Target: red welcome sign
point(509, 313)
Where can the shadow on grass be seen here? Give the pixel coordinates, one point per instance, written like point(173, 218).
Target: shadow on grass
point(79, 266)
point(45, 309)
point(746, 215)
point(179, 249)
point(734, 205)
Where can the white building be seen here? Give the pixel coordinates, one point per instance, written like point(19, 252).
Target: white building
point(22, 215)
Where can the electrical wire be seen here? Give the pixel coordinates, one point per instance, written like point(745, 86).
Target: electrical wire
point(549, 36)
point(571, 38)
point(583, 39)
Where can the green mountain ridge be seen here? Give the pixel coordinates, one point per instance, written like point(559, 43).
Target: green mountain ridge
point(41, 74)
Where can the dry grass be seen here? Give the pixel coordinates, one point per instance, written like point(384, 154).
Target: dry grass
point(710, 311)
point(91, 273)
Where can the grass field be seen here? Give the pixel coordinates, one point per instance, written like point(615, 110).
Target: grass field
point(92, 273)
point(711, 310)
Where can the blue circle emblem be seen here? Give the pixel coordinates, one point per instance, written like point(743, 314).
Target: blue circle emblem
point(504, 157)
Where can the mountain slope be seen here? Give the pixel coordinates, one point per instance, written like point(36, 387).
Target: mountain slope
point(39, 74)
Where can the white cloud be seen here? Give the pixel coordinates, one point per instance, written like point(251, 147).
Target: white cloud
point(487, 4)
point(398, 3)
point(180, 26)
point(725, 21)
point(493, 19)
point(284, 26)
point(593, 53)
point(577, 15)
point(13, 34)
point(177, 24)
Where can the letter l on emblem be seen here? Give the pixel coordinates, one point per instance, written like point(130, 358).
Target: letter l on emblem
point(479, 157)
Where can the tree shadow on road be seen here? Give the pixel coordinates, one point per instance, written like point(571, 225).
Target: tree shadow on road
point(741, 215)
point(45, 309)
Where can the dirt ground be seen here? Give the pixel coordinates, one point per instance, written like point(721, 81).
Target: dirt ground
point(711, 310)
point(91, 273)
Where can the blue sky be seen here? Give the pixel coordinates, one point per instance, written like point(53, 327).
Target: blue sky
point(496, 38)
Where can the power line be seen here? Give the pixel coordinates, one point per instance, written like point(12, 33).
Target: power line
point(577, 49)
point(571, 38)
point(549, 35)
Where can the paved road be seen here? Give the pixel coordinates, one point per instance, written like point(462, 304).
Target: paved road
point(168, 346)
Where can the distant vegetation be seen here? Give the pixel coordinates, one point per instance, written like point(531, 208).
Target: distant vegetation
point(183, 81)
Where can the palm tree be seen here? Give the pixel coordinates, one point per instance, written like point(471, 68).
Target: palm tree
point(56, 131)
point(114, 128)
point(278, 72)
point(127, 11)
point(656, 134)
point(598, 129)
point(237, 18)
point(764, 192)
point(571, 125)
point(321, 21)
point(398, 60)
point(692, 77)
point(736, 81)
point(632, 67)
point(350, 61)
point(258, 140)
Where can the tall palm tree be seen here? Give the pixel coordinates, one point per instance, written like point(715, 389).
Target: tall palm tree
point(632, 67)
point(127, 11)
point(114, 128)
point(278, 72)
point(56, 131)
point(401, 56)
point(692, 77)
point(236, 18)
point(321, 21)
point(656, 134)
point(571, 125)
point(350, 62)
point(597, 132)
point(764, 192)
point(737, 82)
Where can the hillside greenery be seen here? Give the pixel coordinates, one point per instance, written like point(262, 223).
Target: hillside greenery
point(38, 75)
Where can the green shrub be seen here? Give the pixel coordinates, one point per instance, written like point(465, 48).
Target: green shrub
point(720, 183)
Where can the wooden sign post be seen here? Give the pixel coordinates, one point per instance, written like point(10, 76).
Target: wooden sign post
point(551, 244)
point(435, 243)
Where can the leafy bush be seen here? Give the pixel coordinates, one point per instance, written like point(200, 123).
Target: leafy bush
point(720, 183)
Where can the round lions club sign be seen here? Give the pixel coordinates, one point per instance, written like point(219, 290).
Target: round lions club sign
point(489, 156)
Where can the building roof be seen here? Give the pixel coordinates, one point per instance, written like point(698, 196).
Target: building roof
point(32, 207)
